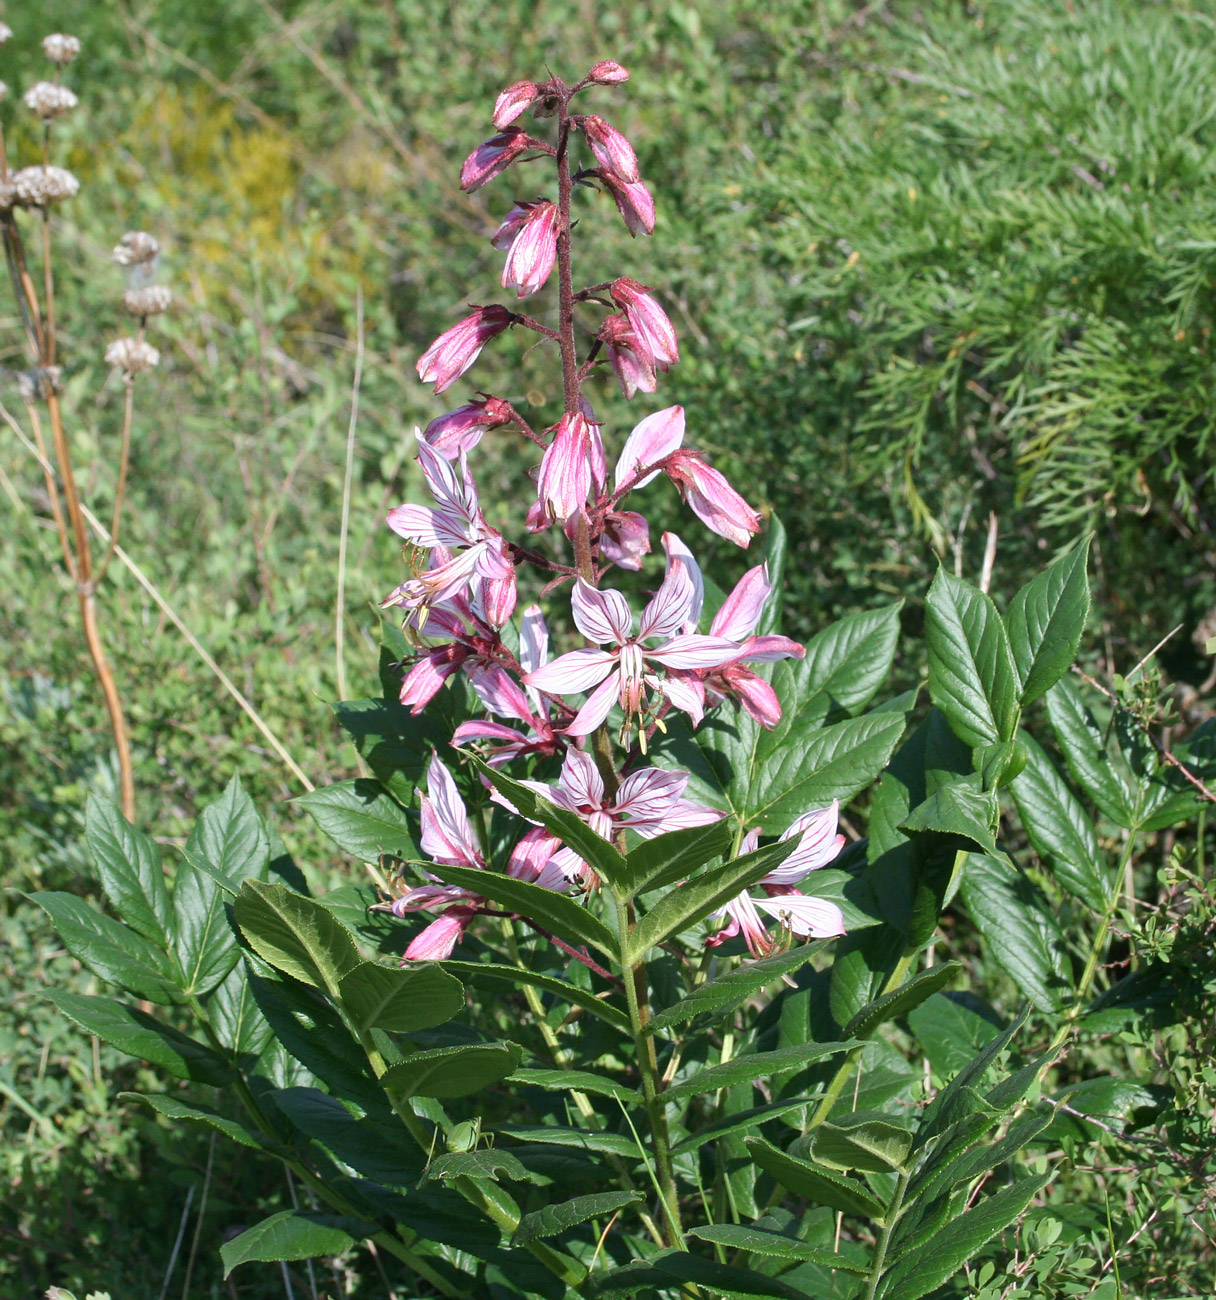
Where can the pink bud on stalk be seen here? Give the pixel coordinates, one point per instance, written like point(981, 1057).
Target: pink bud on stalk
point(610, 147)
point(713, 500)
point(572, 464)
point(513, 101)
point(461, 429)
point(533, 250)
point(607, 73)
point(630, 357)
point(455, 350)
point(633, 200)
point(493, 157)
point(648, 320)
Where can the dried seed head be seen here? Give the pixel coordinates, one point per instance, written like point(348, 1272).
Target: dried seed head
point(135, 248)
point(8, 195)
point(132, 356)
point(36, 187)
point(47, 99)
point(40, 383)
point(148, 301)
point(6, 33)
point(60, 49)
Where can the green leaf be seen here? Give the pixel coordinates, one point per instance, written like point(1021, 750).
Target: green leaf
point(672, 1267)
point(675, 856)
point(114, 952)
point(451, 1071)
point(555, 1219)
point(757, 1065)
point(871, 1144)
point(725, 992)
point(814, 1182)
point(129, 867)
point(959, 1098)
point(475, 971)
point(972, 677)
point(963, 1166)
point(575, 1081)
point(759, 1241)
point(596, 851)
point(397, 999)
point(680, 908)
point(396, 745)
point(961, 807)
point(295, 934)
point(362, 819)
point(146, 1039)
point(616, 1144)
point(179, 1111)
point(1046, 620)
point(293, 1234)
point(1085, 750)
point(952, 1027)
point(560, 913)
point(926, 1267)
point(235, 1017)
point(897, 1003)
point(1018, 927)
point(775, 551)
point(230, 835)
point(206, 947)
point(741, 1120)
point(487, 1163)
point(376, 1147)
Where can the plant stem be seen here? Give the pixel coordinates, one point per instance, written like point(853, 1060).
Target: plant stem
point(888, 1224)
point(565, 274)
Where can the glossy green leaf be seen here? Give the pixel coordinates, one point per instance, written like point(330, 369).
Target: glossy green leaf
point(129, 868)
point(814, 1182)
point(897, 1003)
point(1046, 620)
point(490, 1162)
point(1088, 753)
point(972, 677)
point(293, 1234)
point(113, 951)
point(296, 935)
point(725, 992)
point(961, 807)
point(775, 1245)
point(556, 1219)
point(1019, 929)
point(182, 1112)
point(398, 999)
point(756, 1065)
point(451, 1071)
point(203, 940)
point(474, 972)
point(925, 1268)
point(871, 1144)
point(673, 1268)
point(575, 1081)
point(230, 835)
point(146, 1039)
point(706, 893)
point(668, 859)
point(362, 819)
point(566, 917)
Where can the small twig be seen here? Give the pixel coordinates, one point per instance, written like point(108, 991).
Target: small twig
point(989, 553)
point(177, 1245)
point(124, 462)
point(198, 1224)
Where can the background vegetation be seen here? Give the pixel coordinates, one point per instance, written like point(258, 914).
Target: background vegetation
point(927, 263)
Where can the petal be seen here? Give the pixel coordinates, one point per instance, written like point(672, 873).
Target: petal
point(768, 649)
point(426, 526)
point(436, 942)
point(692, 650)
point(601, 616)
point(652, 439)
point(668, 611)
point(423, 681)
point(755, 695)
point(741, 610)
point(678, 553)
point(597, 708)
point(578, 670)
point(648, 796)
point(813, 918)
point(533, 639)
point(498, 691)
point(446, 833)
point(581, 781)
point(818, 844)
point(686, 691)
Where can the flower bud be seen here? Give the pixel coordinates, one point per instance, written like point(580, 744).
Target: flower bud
point(461, 429)
point(610, 147)
point(633, 202)
point(132, 356)
point(607, 73)
point(572, 464)
point(630, 358)
point(712, 499)
point(454, 351)
point(493, 157)
point(533, 250)
point(513, 101)
point(511, 225)
point(48, 100)
point(60, 49)
point(648, 320)
point(625, 539)
point(37, 187)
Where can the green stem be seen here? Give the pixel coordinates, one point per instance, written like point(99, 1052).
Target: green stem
point(637, 996)
point(884, 1239)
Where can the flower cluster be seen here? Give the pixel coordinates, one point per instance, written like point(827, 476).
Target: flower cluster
point(587, 716)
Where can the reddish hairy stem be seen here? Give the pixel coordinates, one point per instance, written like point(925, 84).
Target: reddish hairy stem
point(565, 274)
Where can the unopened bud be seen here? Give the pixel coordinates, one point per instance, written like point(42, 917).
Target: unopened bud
point(132, 356)
point(513, 101)
point(36, 187)
point(608, 73)
point(493, 157)
point(136, 247)
point(60, 49)
point(48, 99)
point(610, 147)
point(151, 300)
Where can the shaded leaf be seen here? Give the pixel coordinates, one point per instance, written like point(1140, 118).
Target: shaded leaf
point(814, 1182)
point(397, 999)
point(873, 1144)
point(757, 1065)
point(486, 1163)
point(741, 1120)
point(960, 807)
point(575, 1081)
point(362, 819)
point(672, 1267)
point(451, 1071)
point(1088, 754)
point(296, 935)
point(897, 1003)
point(773, 1244)
point(555, 1219)
point(952, 1027)
point(378, 1148)
point(182, 1112)
point(669, 858)
point(293, 1234)
point(475, 971)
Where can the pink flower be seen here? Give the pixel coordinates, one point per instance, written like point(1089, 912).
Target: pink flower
point(572, 465)
point(437, 941)
point(625, 538)
point(803, 916)
point(620, 674)
point(611, 149)
point(493, 157)
point(533, 250)
point(512, 224)
point(719, 507)
point(607, 73)
point(461, 429)
point(513, 101)
point(633, 201)
point(652, 441)
point(648, 320)
point(454, 351)
point(629, 355)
